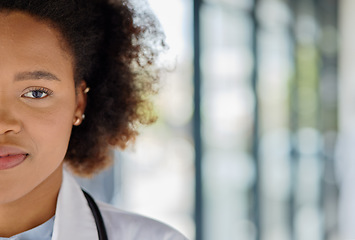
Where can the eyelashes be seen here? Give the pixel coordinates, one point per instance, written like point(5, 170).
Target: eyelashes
point(37, 93)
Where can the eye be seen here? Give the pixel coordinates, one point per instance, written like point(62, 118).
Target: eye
point(37, 93)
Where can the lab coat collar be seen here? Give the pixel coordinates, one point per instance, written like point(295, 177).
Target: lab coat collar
point(73, 219)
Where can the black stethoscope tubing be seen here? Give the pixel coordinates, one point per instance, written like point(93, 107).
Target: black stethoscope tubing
point(101, 229)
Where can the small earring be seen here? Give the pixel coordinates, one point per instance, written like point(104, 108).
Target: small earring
point(87, 90)
point(77, 121)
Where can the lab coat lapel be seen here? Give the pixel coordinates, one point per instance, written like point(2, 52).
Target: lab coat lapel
point(73, 219)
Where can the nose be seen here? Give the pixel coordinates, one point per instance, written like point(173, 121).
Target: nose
point(9, 124)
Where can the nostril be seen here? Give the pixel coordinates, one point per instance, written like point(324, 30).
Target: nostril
point(9, 125)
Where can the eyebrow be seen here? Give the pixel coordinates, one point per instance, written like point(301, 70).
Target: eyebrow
point(35, 75)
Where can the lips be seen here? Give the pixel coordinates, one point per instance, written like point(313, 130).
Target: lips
point(11, 157)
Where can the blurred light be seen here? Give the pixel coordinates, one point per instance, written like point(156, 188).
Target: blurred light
point(308, 223)
point(307, 30)
point(273, 15)
point(309, 141)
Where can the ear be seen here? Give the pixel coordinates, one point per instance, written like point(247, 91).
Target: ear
point(81, 100)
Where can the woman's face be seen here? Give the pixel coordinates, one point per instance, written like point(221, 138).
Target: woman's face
point(38, 104)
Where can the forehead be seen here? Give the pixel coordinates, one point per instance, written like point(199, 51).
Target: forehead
point(23, 36)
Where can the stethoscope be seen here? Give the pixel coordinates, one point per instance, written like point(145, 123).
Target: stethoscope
point(101, 230)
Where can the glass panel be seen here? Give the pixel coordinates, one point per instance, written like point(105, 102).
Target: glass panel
point(275, 72)
point(234, 4)
point(227, 120)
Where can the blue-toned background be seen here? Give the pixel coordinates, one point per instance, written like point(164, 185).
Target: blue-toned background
point(256, 132)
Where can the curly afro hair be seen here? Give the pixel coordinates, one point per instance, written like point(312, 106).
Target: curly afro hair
point(115, 48)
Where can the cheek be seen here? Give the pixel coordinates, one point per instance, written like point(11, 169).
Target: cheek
point(49, 133)
point(50, 129)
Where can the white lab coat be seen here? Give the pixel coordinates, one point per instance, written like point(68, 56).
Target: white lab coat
point(74, 219)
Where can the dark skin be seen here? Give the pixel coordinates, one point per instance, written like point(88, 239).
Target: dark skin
point(39, 105)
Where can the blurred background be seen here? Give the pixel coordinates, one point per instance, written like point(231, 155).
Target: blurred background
point(256, 132)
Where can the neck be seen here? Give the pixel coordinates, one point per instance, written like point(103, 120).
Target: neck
point(33, 209)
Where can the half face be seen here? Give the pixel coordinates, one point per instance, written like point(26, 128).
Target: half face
point(38, 104)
